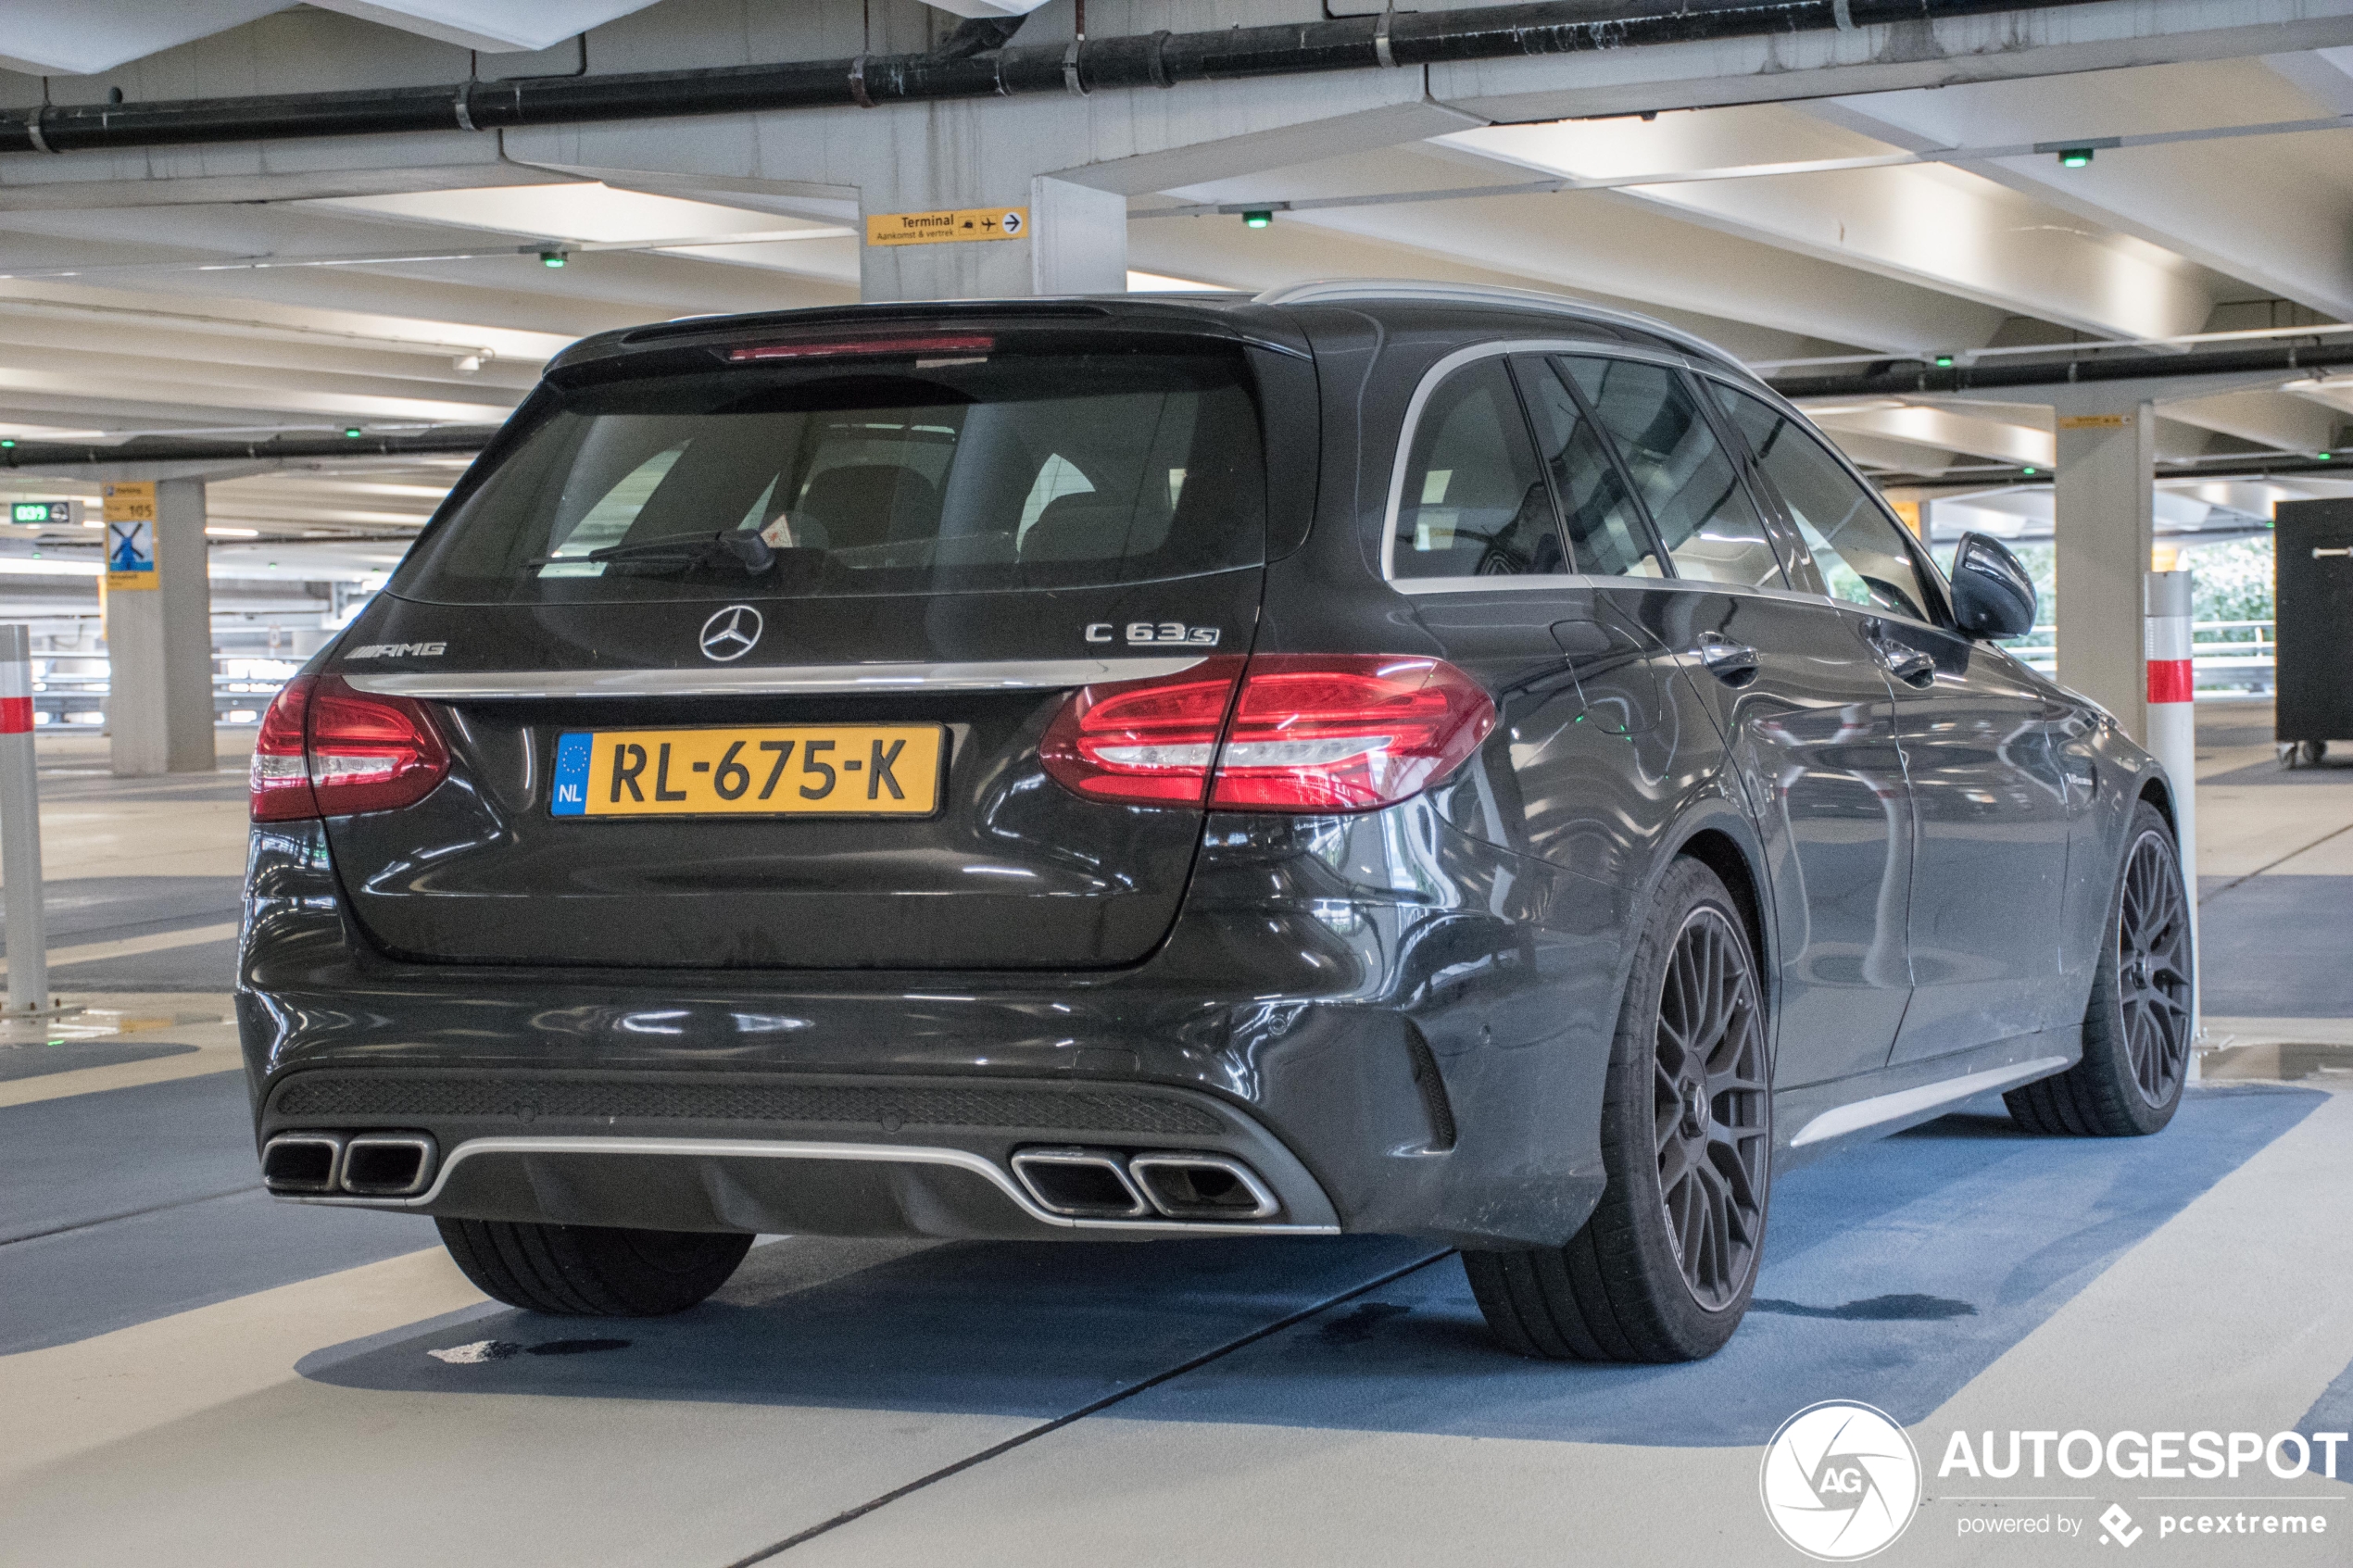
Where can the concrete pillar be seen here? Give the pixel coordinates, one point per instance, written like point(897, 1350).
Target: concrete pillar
point(2103, 524)
point(159, 644)
point(1078, 239)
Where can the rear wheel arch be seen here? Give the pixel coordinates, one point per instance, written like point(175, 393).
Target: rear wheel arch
point(1735, 863)
point(2159, 794)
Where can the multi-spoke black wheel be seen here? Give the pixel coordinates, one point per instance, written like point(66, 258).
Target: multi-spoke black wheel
point(1712, 1120)
point(1663, 1268)
point(2136, 1033)
point(2153, 969)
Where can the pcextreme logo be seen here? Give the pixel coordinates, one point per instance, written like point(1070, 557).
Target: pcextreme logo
point(1840, 1481)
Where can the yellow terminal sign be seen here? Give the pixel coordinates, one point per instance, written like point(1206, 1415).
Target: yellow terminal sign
point(947, 227)
point(130, 535)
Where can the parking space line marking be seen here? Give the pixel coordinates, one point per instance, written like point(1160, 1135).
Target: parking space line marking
point(1043, 1428)
point(131, 946)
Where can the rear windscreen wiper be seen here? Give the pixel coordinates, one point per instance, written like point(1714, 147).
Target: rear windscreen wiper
point(746, 552)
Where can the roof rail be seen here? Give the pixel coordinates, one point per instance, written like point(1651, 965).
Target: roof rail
point(1333, 290)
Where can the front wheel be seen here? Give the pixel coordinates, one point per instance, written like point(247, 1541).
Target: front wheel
point(1663, 1268)
point(591, 1272)
point(2136, 1031)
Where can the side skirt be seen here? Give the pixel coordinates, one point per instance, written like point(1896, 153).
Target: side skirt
point(1820, 1117)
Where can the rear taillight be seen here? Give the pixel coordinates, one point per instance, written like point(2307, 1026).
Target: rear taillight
point(1308, 733)
point(326, 750)
point(1319, 733)
point(1143, 743)
point(280, 775)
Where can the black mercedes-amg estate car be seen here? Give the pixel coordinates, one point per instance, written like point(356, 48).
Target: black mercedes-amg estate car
point(1366, 757)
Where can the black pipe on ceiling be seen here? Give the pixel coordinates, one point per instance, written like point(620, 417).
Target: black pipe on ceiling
point(1910, 377)
point(447, 441)
point(1158, 59)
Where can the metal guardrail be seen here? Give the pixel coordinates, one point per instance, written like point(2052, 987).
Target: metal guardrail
point(2222, 653)
point(242, 687)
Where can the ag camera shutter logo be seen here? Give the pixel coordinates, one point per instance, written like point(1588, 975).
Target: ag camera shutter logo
point(1840, 1481)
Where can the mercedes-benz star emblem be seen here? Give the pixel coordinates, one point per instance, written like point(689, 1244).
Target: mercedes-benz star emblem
point(730, 634)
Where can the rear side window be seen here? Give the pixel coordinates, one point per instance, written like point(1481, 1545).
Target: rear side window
point(1474, 503)
point(1606, 534)
point(1691, 486)
point(1857, 547)
point(991, 470)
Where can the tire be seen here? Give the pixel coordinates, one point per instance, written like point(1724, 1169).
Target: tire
point(2136, 1031)
point(586, 1272)
point(1663, 1268)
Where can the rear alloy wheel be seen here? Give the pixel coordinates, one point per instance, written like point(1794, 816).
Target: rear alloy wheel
point(592, 1272)
point(2136, 1033)
point(1663, 1268)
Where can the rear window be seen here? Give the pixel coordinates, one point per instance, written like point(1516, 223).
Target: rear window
point(964, 472)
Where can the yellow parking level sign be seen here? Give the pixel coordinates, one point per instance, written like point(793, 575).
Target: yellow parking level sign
point(946, 228)
point(130, 534)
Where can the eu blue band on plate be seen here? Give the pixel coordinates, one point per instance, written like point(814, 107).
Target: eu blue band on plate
point(572, 752)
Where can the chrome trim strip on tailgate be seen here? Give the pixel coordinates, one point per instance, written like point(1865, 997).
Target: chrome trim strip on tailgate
point(812, 679)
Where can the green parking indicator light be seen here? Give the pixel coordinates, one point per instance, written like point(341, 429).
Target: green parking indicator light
point(352, 432)
point(2030, 471)
point(1944, 361)
point(2074, 157)
point(2325, 457)
point(551, 258)
point(1257, 219)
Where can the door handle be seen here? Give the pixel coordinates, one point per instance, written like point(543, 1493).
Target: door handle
point(1729, 661)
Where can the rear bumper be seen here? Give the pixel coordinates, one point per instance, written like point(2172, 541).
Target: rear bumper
point(1398, 1027)
point(803, 1154)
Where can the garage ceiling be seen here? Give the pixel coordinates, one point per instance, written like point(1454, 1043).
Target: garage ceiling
point(1903, 222)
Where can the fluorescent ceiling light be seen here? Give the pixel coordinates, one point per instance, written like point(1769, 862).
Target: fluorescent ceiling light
point(579, 210)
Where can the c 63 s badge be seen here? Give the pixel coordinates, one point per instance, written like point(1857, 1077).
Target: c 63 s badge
point(1153, 632)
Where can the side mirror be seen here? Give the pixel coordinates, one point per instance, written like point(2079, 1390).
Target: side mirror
point(1992, 596)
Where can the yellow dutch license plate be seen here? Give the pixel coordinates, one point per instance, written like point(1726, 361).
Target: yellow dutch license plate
point(799, 770)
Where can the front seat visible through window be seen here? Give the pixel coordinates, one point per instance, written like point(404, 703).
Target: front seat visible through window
point(1690, 486)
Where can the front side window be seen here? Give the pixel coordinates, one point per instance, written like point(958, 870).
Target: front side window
point(1474, 503)
point(1858, 548)
point(1606, 534)
point(1690, 484)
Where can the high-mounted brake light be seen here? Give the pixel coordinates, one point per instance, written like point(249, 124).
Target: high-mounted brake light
point(326, 750)
point(967, 344)
point(1308, 733)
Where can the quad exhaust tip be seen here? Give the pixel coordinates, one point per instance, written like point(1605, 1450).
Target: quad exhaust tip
point(1080, 1184)
point(1095, 1184)
point(361, 1164)
point(1202, 1187)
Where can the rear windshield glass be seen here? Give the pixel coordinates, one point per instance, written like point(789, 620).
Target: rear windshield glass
point(965, 473)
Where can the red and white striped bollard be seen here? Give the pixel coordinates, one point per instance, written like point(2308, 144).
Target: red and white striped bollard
point(2172, 737)
point(20, 831)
